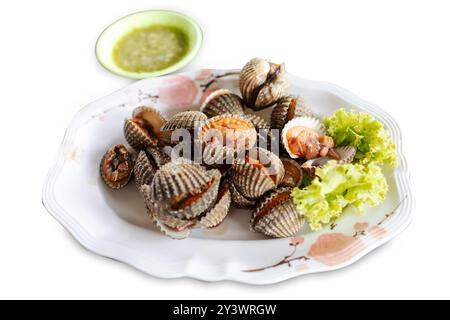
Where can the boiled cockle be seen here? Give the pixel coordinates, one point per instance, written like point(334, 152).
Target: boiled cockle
point(219, 210)
point(238, 200)
point(305, 137)
point(293, 173)
point(183, 190)
point(262, 83)
point(287, 109)
point(143, 129)
point(276, 215)
point(229, 131)
point(221, 102)
point(184, 120)
point(116, 167)
point(147, 163)
point(341, 155)
point(259, 172)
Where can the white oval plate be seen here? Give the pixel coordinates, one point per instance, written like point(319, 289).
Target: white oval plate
point(114, 223)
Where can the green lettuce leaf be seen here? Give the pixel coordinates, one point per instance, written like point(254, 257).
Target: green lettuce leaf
point(365, 133)
point(337, 186)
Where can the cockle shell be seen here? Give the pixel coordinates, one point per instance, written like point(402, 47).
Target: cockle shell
point(116, 167)
point(346, 155)
point(233, 131)
point(143, 170)
point(184, 190)
point(259, 172)
point(262, 128)
point(276, 215)
point(143, 129)
point(222, 102)
point(170, 232)
point(262, 83)
point(287, 109)
point(183, 120)
point(147, 163)
point(257, 121)
point(238, 200)
point(308, 137)
point(220, 209)
point(293, 173)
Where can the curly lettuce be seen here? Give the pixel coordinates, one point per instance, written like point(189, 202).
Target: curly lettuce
point(365, 133)
point(336, 187)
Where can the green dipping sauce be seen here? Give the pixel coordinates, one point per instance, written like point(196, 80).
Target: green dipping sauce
point(150, 49)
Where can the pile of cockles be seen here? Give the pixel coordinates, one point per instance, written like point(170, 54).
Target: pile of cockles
point(236, 167)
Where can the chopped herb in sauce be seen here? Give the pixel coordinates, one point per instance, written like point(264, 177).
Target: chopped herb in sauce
point(150, 49)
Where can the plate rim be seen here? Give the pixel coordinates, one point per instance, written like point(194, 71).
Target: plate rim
point(103, 248)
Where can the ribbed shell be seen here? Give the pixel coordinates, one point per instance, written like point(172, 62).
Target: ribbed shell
point(238, 200)
point(279, 116)
point(185, 120)
point(158, 155)
point(208, 124)
point(253, 75)
point(282, 220)
point(143, 170)
point(136, 136)
point(262, 83)
point(122, 183)
point(173, 222)
point(222, 102)
point(252, 182)
point(257, 121)
point(272, 91)
point(181, 179)
point(220, 210)
point(308, 122)
point(293, 173)
point(263, 129)
point(215, 154)
point(168, 231)
point(346, 154)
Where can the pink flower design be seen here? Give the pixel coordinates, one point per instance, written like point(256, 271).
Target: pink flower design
point(361, 226)
point(203, 74)
point(301, 267)
point(178, 91)
point(296, 241)
point(335, 248)
point(377, 232)
point(206, 94)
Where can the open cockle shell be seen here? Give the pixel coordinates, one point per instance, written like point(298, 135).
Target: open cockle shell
point(262, 83)
point(259, 172)
point(262, 128)
point(170, 232)
point(232, 131)
point(222, 102)
point(143, 129)
point(293, 173)
point(238, 200)
point(346, 155)
point(276, 215)
point(116, 167)
point(220, 209)
point(144, 170)
point(183, 120)
point(314, 129)
point(288, 108)
point(184, 190)
point(147, 163)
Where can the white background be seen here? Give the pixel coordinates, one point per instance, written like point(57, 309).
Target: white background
point(393, 53)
